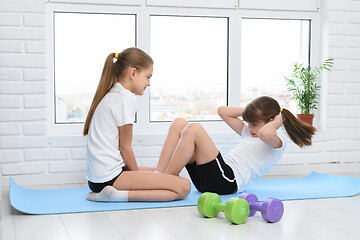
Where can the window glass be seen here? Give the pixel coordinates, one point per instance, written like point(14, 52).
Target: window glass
point(190, 69)
point(269, 49)
point(82, 43)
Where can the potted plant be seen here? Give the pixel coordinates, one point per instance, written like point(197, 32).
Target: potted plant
point(305, 89)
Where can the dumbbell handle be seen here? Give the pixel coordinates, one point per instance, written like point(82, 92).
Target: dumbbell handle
point(255, 206)
point(219, 206)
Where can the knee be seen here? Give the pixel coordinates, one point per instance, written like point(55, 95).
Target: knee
point(179, 124)
point(184, 188)
point(192, 128)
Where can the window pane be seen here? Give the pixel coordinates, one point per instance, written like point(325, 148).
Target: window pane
point(82, 43)
point(190, 71)
point(269, 48)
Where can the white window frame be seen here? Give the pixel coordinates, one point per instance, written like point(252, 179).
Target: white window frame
point(143, 12)
point(101, 2)
point(288, 5)
point(192, 3)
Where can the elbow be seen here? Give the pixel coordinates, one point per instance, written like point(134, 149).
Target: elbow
point(123, 148)
point(221, 110)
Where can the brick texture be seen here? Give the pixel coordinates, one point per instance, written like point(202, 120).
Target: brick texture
point(29, 152)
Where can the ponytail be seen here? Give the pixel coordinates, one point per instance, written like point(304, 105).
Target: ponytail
point(112, 71)
point(107, 81)
point(299, 132)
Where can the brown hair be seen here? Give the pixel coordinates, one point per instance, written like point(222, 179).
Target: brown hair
point(112, 71)
point(266, 108)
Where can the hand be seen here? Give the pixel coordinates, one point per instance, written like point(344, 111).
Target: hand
point(278, 120)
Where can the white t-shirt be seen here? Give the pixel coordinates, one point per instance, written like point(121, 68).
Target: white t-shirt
point(117, 108)
point(252, 158)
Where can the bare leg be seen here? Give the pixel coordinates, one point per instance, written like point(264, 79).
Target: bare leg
point(150, 186)
point(150, 169)
point(170, 143)
point(194, 145)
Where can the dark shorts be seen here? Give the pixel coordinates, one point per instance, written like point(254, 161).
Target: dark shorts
point(215, 176)
point(97, 187)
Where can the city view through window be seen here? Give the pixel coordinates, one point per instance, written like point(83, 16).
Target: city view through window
point(82, 43)
point(270, 47)
point(190, 74)
point(190, 77)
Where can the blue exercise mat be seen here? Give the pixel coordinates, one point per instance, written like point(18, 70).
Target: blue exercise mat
point(73, 200)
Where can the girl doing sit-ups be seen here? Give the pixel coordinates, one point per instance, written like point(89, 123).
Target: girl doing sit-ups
point(260, 147)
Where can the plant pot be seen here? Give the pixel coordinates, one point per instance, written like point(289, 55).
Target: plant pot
point(307, 118)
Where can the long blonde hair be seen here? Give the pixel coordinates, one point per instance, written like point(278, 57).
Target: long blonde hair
point(265, 108)
point(112, 71)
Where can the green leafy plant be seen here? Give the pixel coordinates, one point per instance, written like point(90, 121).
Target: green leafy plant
point(304, 86)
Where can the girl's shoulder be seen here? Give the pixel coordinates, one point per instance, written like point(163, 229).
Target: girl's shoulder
point(118, 88)
point(119, 92)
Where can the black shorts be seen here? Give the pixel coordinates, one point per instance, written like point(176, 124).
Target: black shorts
point(215, 176)
point(97, 187)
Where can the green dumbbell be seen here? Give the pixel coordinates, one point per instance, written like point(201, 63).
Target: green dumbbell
point(236, 210)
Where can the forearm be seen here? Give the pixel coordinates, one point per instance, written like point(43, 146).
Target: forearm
point(268, 130)
point(129, 158)
point(268, 133)
point(230, 112)
point(231, 117)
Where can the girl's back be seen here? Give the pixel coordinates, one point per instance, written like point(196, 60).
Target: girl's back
point(252, 158)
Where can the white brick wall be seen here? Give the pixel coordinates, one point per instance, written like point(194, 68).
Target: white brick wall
point(344, 84)
point(31, 156)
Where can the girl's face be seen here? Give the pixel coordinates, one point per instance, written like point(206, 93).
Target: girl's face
point(255, 127)
point(141, 80)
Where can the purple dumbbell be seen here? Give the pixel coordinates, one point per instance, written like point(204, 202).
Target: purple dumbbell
point(271, 209)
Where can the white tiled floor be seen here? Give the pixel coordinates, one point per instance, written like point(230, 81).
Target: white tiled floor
point(336, 218)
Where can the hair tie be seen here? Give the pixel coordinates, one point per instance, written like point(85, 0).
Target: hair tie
point(116, 55)
point(281, 109)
